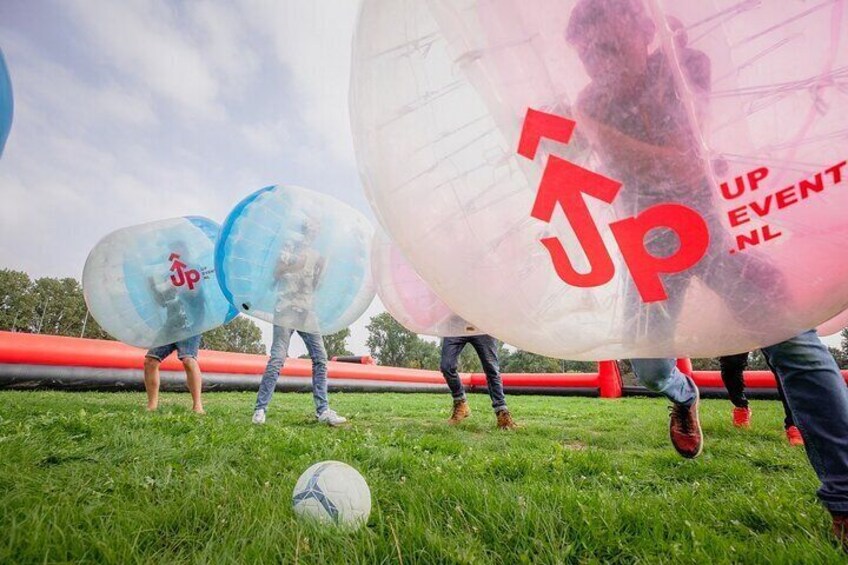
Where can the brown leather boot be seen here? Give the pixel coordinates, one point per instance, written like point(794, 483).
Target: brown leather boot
point(461, 411)
point(505, 421)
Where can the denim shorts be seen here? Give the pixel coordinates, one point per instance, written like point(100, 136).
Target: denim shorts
point(185, 348)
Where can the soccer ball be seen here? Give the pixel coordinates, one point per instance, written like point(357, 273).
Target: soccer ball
point(332, 492)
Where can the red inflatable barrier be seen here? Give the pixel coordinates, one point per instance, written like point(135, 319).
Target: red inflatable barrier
point(358, 359)
point(58, 351)
point(32, 349)
point(753, 379)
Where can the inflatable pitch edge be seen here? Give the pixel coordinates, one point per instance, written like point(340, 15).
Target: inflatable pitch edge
point(47, 377)
point(29, 377)
point(706, 392)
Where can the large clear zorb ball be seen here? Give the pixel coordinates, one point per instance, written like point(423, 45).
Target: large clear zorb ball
point(154, 284)
point(595, 179)
point(296, 258)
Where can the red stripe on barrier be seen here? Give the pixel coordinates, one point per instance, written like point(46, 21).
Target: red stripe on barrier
point(753, 379)
point(33, 349)
point(557, 380)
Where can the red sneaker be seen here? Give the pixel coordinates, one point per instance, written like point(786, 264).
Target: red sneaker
point(742, 417)
point(684, 428)
point(794, 436)
point(840, 530)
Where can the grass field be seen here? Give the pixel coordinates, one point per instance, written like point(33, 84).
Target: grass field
point(92, 477)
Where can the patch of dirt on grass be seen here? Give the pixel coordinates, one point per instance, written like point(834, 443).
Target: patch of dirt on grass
point(574, 445)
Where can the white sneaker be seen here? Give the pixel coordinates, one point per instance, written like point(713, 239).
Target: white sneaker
point(330, 418)
point(259, 416)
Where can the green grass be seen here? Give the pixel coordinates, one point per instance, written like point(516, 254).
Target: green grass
point(91, 477)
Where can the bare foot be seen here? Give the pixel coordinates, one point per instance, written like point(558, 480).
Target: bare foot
point(152, 408)
point(198, 410)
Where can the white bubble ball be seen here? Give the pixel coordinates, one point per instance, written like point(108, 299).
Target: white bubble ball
point(155, 284)
point(296, 258)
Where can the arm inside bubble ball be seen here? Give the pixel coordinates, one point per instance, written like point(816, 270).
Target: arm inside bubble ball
point(320, 266)
point(163, 292)
point(639, 157)
point(634, 111)
point(289, 262)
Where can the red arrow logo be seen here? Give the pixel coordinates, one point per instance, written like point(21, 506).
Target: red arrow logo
point(539, 125)
point(564, 184)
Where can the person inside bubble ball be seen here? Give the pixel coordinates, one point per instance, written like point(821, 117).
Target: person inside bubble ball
point(183, 304)
point(636, 121)
point(184, 308)
point(298, 273)
point(636, 116)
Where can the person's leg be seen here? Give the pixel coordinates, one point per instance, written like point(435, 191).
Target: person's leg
point(663, 376)
point(451, 348)
point(187, 353)
point(276, 360)
point(733, 377)
point(818, 399)
point(788, 421)
point(487, 350)
point(793, 434)
point(195, 383)
point(152, 359)
point(315, 346)
point(151, 382)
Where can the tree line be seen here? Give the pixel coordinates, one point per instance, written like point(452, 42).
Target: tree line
point(56, 306)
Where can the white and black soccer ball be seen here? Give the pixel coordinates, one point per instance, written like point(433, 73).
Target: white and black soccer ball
point(332, 492)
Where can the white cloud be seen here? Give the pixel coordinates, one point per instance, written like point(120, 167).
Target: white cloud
point(312, 40)
point(222, 33)
point(142, 40)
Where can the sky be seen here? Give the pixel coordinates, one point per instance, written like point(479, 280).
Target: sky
point(133, 111)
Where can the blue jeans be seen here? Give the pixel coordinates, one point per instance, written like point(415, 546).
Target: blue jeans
point(816, 394)
point(185, 348)
point(279, 350)
point(487, 350)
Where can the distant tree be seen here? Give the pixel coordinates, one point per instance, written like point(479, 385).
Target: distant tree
point(16, 301)
point(469, 362)
point(336, 344)
point(844, 335)
point(425, 355)
point(47, 305)
point(389, 342)
point(757, 361)
point(525, 362)
point(706, 364)
point(241, 335)
point(580, 366)
point(840, 357)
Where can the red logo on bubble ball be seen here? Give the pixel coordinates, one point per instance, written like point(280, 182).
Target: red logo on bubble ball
point(567, 184)
point(180, 275)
